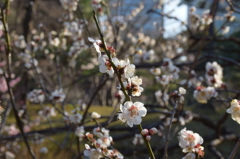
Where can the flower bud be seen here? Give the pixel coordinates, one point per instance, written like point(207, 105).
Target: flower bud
point(144, 132)
point(181, 90)
point(95, 115)
point(148, 137)
point(181, 99)
point(153, 131)
point(89, 136)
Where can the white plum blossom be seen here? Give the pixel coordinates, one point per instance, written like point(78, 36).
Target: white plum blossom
point(92, 153)
point(190, 142)
point(188, 116)
point(29, 61)
point(114, 154)
point(181, 90)
point(120, 96)
point(206, 19)
point(155, 71)
point(137, 57)
point(234, 110)
point(162, 98)
point(47, 112)
point(105, 141)
point(119, 22)
point(75, 118)
point(202, 95)
point(105, 65)
point(169, 68)
point(80, 132)
point(36, 96)
point(20, 42)
point(133, 86)
point(193, 9)
point(164, 79)
point(129, 71)
point(132, 113)
point(214, 74)
point(74, 29)
point(69, 5)
point(149, 56)
point(225, 29)
point(194, 80)
point(99, 132)
point(121, 64)
point(138, 139)
point(11, 130)
point(124, 67)
point(230, 17)
point(95, 115)
point(96, 48)
point(190, 156)
point(58, 96)
point(96, 5)
point(44, 150)
point(55, 42)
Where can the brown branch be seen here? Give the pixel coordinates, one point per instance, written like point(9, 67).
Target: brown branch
point(234, 150)
point(232, 7)
point(100, 86)
point(4, 14)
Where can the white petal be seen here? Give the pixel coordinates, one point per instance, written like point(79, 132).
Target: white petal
point(91, 39)
point(102, 68)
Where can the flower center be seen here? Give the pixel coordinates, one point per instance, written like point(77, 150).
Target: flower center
point(190, 138)
point(133, 111)
point(108, 64)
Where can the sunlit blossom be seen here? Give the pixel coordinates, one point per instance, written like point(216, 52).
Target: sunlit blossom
point(132, 113)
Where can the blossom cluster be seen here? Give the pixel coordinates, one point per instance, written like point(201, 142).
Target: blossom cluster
point(147, 133)
point(132, 113)
point(214, 74)
point(234, 110)
point(202, 94)
point(74, 118)
point(100, 141)
point(36, 96)
point(190, 143)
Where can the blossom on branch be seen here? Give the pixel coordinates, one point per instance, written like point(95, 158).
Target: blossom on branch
point(92, 153)
point(119, 22)
point(105, 65)
point(58, 96)
point(69, 5)
point(124, 67)
point(79, 132)
point(36, 96)
point(47, 112)
point(234, 110)
point(190, 156)
point(202, 95)
point(96, 46)
point(190, 142)
point(214, 74)
point(132, 113)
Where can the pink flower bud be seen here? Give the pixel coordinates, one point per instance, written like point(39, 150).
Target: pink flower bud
point(144, 132)
point(153, 131)
point(148, 137)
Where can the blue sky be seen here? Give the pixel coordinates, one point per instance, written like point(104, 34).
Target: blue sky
point(171, 26)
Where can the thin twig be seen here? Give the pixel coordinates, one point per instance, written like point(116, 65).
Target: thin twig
point(169, 129)
point(8, 75)
point(121, 83)
point(235, 149)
